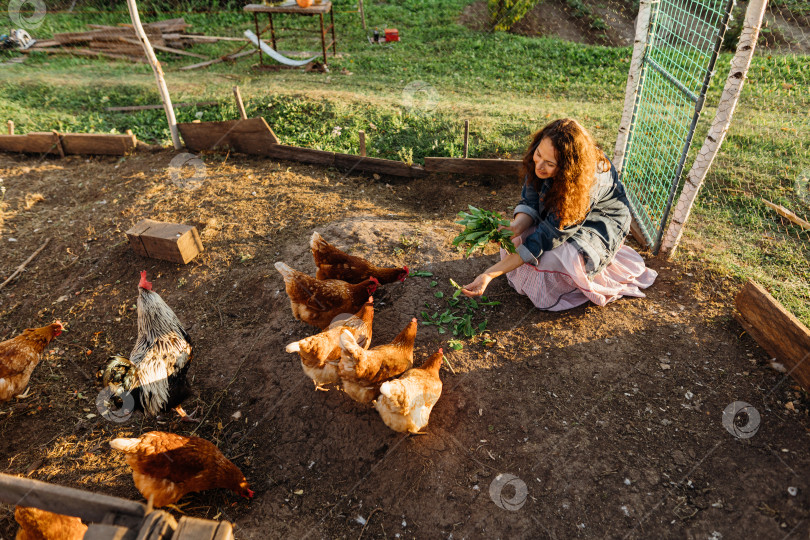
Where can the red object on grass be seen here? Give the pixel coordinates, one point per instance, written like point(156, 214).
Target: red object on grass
point(391, 34)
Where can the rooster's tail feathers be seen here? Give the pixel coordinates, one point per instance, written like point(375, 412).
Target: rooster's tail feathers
point(128, 446)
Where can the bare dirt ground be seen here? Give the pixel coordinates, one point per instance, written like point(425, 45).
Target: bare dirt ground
point(610, 420)
point(783, 29)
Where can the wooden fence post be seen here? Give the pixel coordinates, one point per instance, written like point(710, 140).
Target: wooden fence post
point(239, 104)
point(630, 94)
point(466, 137)
point(161, 82)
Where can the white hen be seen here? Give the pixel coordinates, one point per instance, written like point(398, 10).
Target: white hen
point(405, 403)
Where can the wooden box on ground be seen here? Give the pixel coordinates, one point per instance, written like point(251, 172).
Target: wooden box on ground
point(776, 330)
point(166, 241)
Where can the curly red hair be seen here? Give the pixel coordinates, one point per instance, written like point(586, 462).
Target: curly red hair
point(569, 195)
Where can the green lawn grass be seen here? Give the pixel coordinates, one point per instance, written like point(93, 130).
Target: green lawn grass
point(506, 85)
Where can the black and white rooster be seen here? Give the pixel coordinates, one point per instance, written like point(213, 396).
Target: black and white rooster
point(155, 372)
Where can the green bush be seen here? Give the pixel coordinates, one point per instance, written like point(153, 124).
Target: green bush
point(504, 14)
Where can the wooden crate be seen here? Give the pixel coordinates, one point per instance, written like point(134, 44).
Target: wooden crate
point(166, 241)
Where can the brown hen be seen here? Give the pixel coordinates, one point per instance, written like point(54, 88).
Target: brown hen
point(320, 353)
point(168, 466)
point(333, 263)
point(363, 371)
point(20, 355)
point(320, 302)
point(36, 524)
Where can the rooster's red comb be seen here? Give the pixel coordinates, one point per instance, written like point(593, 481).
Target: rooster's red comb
point(144, 284)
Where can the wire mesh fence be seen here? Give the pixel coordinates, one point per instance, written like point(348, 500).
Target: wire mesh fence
point(751, 218)
point(683, 42)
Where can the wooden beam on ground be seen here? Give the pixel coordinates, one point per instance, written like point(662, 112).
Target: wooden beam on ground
point(776, 330)
point(202, 38)
point(251, 136)
point(85, 52)
point(101, 144)
point(787, 214)
point(45, 43)
point(90, 507)
point(353, 163)
point(302, 155)
point(12, 143)
point(491, 167)
point(232, 56)
point(31, 143)
point(25, 263)
point(172, 50)
point(254, 137)
point(40, 143)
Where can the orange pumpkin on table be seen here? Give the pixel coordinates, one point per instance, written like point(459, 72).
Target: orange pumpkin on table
point(304, 3)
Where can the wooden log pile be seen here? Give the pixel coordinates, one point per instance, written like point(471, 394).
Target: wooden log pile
point(121, 41)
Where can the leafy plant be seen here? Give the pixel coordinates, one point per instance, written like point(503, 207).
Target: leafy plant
point(405, 155)
point(482, 227)
point(464, 321)
point(504, 14)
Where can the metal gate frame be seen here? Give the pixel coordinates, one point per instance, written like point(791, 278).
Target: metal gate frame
point(654, 237)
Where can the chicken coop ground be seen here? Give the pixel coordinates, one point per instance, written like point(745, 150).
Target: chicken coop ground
point(592, 423)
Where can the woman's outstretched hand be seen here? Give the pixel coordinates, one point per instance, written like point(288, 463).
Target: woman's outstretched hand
point(477, 287)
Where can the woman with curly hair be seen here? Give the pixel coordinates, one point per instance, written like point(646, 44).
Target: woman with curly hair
point(569, 227)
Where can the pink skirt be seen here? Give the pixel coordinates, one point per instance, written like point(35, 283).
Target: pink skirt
point(561, 282)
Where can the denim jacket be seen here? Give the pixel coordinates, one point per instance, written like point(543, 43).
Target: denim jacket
point(598, 237)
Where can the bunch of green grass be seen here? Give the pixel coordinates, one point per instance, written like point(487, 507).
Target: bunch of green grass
point(482, 227)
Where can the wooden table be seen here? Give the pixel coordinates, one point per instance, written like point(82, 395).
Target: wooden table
point(293, 9)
